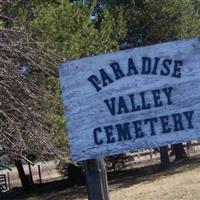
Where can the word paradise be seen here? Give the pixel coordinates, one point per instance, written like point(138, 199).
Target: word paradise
point(140, 101)
point(149, 66)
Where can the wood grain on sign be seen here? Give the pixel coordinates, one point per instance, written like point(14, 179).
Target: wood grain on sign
point(132, 99)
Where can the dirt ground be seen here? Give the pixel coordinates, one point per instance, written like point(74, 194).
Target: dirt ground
point(180, 182)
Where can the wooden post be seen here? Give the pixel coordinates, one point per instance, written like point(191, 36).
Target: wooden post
point(39, 172)
point(96, 179)
point(30, 174)
point(164, 157)
point(151, 153)
point(9, 185)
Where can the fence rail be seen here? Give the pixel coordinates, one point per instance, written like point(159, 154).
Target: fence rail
point(3, 182)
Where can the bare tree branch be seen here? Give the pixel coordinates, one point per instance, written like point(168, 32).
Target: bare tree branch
point(24, 123)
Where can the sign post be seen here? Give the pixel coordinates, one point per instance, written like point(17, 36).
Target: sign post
point(128, 100)
point(96, 179)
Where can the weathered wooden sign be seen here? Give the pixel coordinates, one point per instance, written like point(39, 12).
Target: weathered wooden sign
point(132, 99)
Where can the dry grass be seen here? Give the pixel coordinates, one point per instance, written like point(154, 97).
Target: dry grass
point(177, 183)
point(180, 182)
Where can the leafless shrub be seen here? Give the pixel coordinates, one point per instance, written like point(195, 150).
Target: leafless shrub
point(24, 124)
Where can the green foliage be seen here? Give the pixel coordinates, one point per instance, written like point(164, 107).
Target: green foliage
point(62, 167)
point(53, 104)
point(19, 13)
point(150, 21)
point(68, 29)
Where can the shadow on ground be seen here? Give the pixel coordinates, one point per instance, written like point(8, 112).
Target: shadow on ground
point(126, 178)
point(64, 190)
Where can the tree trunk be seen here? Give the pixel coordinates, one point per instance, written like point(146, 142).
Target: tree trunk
point(179, 152)
point(23, 177)
point(164, 157)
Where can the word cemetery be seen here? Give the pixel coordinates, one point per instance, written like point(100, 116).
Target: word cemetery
point(128, 100)
point(125, 131)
